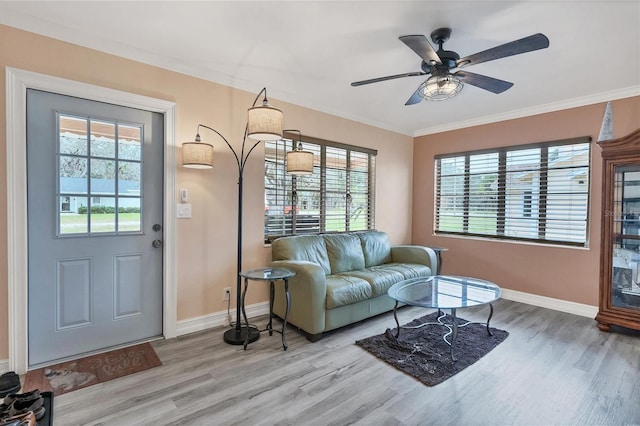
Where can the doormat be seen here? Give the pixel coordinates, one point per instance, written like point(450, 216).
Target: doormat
point(81, 373)
point(423, 354)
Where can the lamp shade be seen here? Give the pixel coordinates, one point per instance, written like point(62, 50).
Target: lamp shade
point(264, 123)
point(439, 88)
point(300, 162)
point(197, 155)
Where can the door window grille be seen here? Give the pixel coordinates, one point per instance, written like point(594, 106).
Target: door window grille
point(99, 176)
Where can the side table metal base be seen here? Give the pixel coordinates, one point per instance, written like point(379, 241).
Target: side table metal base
point(235, 336)
point(270, 275)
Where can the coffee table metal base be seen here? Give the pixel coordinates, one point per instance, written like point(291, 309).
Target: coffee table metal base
point(453, 327)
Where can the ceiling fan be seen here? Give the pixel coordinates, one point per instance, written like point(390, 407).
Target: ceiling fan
point(443, 84)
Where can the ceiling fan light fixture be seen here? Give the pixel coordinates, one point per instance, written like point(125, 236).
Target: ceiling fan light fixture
point(439, 88)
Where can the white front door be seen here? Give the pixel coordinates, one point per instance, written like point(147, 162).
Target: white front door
point(95, 214)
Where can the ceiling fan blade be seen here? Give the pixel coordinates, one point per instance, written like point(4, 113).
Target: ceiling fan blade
point(482, 81)
point(389, 77)
point(415, 98)
point(420, 45)
point(524, 45)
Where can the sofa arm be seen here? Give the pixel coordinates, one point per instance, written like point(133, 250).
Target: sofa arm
point(415, 254)
point(308, 291)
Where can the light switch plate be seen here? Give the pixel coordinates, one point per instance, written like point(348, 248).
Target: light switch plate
point(184, 211)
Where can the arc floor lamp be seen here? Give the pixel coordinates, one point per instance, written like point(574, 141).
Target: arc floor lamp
point(264, 123)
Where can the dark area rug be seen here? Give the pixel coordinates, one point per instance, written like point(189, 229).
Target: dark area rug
point(80, 373)
point(423, 354)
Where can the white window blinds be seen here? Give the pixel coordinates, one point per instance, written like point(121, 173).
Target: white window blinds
point(534, 192)
point(338, 196)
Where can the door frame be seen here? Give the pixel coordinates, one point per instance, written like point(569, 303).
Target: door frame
point(17, 83)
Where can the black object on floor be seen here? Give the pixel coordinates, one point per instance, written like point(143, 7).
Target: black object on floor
point(47, 420)
point(423, 354)
point(9, 383)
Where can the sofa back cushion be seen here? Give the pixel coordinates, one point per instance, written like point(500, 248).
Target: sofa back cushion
point(376, 248)
point(345, 252)
point(311, 248)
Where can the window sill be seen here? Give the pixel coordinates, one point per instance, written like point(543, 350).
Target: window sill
point(507, 241)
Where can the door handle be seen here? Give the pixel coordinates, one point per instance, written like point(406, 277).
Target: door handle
point(156, 243)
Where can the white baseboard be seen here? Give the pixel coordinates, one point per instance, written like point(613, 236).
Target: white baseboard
point(218, 319)
point(550, 303)
point(4, 366)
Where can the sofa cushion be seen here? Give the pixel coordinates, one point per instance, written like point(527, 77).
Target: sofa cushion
point(408, 270)
point(380, 279)
point(345, 252)
point(376, 248)
point(344, 289)
point(310, 248)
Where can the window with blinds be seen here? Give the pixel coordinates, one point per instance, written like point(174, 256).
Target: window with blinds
point(534, 192)
point(338, 196)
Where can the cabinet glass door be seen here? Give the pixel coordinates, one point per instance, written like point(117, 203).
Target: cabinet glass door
point(626, 238)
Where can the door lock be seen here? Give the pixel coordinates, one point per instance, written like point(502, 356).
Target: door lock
point(157, 227)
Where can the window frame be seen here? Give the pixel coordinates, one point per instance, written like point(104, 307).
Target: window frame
point(502, 192)
point(319, 147)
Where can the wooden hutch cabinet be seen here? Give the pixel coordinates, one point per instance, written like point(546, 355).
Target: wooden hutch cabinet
point(620, 247)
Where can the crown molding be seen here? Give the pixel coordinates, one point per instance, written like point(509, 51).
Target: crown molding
point(626, 92)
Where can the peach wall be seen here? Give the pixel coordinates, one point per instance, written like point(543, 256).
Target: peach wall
point(206, 243)
point(563, 273)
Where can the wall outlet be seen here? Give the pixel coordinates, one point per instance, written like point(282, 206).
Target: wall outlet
point(227, 293)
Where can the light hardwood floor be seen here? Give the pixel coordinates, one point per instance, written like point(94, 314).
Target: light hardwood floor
point(553, 369)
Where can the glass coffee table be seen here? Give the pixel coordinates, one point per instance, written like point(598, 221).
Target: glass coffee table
point(445, 292)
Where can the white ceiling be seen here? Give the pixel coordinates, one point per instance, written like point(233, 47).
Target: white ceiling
point(308, 52)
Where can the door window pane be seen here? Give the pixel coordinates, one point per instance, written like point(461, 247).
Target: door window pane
point(129, 216)
point(73, 175)
point(103, 214)
point(129, 147)
point(103, 177)
point(129, 178)
point(74, 220)
point(103, 139)
point(73, 135)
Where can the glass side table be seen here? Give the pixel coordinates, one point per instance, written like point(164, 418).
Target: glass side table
point(271, 275)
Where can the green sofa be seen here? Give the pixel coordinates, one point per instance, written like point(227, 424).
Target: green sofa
point(343, 278)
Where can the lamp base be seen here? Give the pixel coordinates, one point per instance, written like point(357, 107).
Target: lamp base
point(237, 336)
